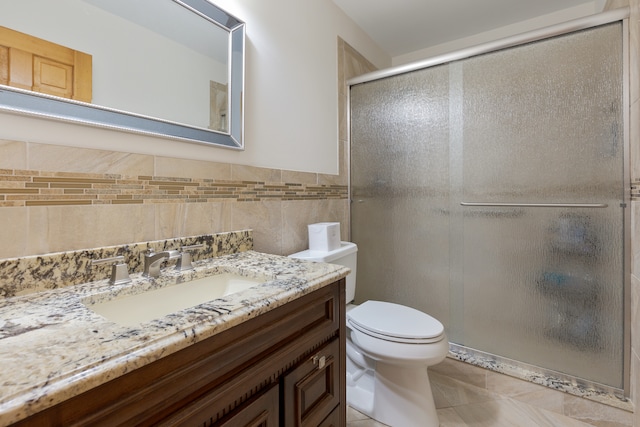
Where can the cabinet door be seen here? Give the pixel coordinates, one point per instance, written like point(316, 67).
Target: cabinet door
point(333, 420)
point(312, 390)
point(38, 65)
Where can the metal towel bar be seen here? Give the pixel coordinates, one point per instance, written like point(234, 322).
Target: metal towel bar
point(536, 205)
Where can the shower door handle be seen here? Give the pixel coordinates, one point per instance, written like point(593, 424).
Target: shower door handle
point(536, 205)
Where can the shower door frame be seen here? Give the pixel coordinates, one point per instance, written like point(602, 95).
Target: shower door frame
point(617, 15)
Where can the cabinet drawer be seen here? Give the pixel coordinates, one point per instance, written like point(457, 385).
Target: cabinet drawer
point(312, 390)
point(261, 410)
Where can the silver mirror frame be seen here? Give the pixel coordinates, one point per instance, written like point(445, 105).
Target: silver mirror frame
point(25, 102)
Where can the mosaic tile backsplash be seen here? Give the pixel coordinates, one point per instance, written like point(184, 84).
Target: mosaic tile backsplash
point(20, 276)
point(40, 188)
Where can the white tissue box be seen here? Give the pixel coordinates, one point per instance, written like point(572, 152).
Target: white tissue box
point(324, 236)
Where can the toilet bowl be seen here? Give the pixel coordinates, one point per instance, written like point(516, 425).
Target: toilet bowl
point(389, 347)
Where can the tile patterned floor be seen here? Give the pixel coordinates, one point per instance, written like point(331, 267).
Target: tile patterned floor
point(468, 397)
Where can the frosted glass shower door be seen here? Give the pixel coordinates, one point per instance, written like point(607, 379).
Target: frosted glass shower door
point(542, 190)
point(400, 190)
point(489, 192)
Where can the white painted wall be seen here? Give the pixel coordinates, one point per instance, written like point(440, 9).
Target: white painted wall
point(502, 32)
point(291, 100)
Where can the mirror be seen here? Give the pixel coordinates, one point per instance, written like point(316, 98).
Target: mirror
point(171, 68)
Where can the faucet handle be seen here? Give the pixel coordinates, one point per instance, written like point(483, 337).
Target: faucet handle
point(119, 271)
point(184, 263)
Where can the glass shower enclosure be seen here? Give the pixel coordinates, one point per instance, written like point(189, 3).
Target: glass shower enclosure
point(489, 192)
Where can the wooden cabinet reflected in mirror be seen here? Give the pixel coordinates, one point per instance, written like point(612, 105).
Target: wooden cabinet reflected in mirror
point(38, 65)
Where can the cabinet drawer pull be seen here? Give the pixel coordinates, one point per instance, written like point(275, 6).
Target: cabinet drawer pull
point(319, 360)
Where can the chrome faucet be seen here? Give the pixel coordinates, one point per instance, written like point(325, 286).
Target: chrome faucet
point(152, 261)
point(119, 273)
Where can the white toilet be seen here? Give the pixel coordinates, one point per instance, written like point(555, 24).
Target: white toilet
point(389, 347)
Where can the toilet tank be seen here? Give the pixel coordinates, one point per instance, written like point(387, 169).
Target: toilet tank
point(345, 255)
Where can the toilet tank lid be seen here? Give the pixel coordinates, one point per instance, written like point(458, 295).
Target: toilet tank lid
point(345, 248)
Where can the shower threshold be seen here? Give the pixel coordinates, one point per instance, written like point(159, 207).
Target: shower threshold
point(555, 380)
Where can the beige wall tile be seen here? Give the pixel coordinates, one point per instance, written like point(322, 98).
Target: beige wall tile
point(299, 177)
point(265, 219)
point(342, 212)
point(635, 348)
point(59, 158)
point(191, 219)
point(355, 63)
point(635, 237)
point(343, 118)
point(251, 173)
point(615, 4)
point(296, 215)
point(197, 169)
point(63, 228)
point(343, 167)
point(326, 179)
point(14, 232)
point(634, 137)
point(635, 314)
point(342, 88)
point(13, 155)
point(634, 53)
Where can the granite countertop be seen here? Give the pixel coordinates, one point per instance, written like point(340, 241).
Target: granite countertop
point(52, 347)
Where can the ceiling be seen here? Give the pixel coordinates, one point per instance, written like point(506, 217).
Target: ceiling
point(403, 26)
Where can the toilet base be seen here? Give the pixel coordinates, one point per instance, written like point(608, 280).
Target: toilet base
point(403, 397)
point(391, 394)
point(360, 385)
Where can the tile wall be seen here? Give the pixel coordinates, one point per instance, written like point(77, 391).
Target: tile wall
point(56, 198)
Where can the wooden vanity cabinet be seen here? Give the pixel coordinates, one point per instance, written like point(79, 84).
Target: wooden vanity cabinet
point(285, 367)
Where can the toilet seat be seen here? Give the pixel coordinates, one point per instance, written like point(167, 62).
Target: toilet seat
point(395, 323)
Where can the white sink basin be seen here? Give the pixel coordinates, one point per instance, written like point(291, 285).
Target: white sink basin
point(156, 303)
